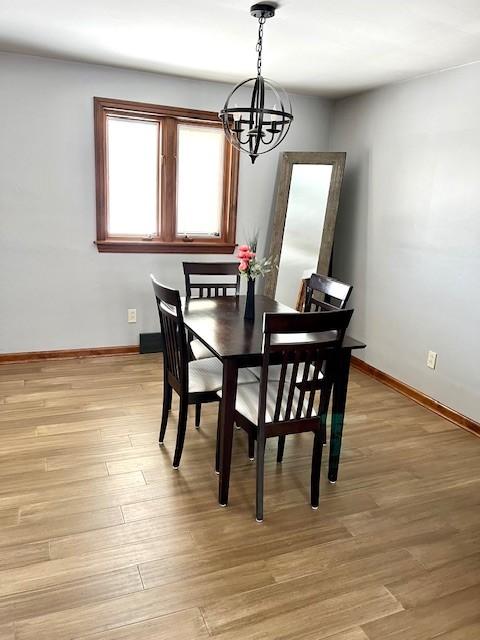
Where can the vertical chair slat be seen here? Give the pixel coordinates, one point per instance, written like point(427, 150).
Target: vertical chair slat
point(170, 327)
point(315, 378)
point(168, 344)
point(292, 386)
point(281, 386)
point(305, 376)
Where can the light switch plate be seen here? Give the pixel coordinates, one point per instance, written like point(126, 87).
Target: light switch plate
point(132, 315)
point(431, 359)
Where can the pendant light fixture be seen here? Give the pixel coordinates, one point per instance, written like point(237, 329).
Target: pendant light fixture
point(264, 121)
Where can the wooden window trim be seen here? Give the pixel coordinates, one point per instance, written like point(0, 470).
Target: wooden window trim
point(169, 117)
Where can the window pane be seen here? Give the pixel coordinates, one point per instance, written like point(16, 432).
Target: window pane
point(199, 179)
point(132, 177)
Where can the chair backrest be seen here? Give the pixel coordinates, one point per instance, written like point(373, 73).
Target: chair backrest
point(227, 272)
point(306, 346)
point(333, 293)
point(173, 332)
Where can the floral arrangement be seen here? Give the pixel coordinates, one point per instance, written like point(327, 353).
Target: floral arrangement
point(250, 266)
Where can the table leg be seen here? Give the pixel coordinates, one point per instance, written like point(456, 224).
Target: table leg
point(227, 414)
point(339, 401)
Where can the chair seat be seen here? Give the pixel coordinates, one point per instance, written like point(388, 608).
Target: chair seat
point(274, 372)
point(248, 397)
point(207, 375)
point(199, 350)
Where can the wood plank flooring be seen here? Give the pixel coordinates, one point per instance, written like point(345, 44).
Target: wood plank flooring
point(101, 539)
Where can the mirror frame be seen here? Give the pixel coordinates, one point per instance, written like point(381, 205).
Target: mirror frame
point(288, 159)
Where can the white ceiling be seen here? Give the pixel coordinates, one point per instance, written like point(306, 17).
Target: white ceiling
point(326, 47)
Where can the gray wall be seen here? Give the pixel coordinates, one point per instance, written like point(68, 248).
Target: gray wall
point(56, 291)
point(408, 233)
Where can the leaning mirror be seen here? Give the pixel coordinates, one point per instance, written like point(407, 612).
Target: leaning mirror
point(304, 221)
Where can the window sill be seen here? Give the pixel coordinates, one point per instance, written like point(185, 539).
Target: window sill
point(139, 246)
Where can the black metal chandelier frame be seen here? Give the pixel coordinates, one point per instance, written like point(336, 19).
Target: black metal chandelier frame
point(256, 129)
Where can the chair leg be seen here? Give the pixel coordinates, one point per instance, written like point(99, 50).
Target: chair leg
point(251, 446)
point(281, 448)
point(182, 427)
point(167, 402)
point(198, 414)
point(316, 464)
point(217, 448)
point(260, 477)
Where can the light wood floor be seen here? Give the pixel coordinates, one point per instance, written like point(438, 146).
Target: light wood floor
point(101, 539)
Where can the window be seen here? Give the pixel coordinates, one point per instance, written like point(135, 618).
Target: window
point(166, 179)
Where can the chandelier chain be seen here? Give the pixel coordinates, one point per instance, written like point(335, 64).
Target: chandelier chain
point(258, 48)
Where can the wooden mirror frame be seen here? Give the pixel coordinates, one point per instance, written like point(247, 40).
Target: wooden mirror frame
point(288, 159)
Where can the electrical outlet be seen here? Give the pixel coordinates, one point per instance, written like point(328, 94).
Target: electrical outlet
point(431, 359)
point(132, 315)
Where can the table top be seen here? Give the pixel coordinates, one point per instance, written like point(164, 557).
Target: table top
point(220, 325)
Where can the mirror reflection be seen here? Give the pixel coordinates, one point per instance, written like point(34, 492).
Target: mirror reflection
point(304, 222)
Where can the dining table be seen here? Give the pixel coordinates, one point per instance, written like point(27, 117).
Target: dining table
point(220, 325)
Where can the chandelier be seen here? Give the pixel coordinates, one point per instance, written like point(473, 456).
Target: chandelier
point(264, 123)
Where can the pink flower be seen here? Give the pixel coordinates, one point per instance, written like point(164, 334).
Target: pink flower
point(243, 266)
point(244, 252)
point(245, 255)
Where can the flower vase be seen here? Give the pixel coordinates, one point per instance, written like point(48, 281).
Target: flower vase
point(250, 302)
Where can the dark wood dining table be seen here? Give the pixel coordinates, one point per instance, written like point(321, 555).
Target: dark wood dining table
point(219, 324)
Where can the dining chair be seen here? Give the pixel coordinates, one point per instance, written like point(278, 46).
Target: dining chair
point(293, 403)
point(322, 294)
point(335, 293)
point(194, 381)
point(200, 283)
